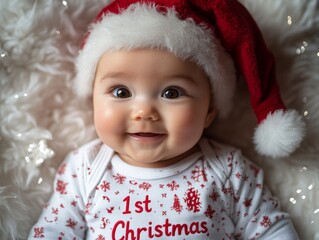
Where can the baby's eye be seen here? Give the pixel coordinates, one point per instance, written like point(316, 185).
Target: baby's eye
point(172, 93)
point(121, 92)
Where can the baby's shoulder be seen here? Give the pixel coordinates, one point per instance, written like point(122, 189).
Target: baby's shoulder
point(221, 158)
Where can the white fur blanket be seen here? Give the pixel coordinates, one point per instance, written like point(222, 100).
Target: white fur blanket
point(39, 41)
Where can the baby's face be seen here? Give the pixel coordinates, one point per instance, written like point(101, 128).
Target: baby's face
point(150, 106)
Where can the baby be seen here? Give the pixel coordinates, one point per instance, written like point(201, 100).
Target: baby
point(158, 76)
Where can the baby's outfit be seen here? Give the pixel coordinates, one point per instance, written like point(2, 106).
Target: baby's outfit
point(214, 193)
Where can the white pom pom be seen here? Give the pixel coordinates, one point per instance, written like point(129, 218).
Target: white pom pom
point(279, 134)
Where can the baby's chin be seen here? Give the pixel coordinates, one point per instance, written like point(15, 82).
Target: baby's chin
point(151, 159)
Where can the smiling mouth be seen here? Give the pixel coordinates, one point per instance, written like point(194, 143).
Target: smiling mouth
point(147, 137)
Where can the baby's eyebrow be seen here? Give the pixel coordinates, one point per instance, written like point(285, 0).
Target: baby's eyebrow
point(113, 75)
point(186, 77)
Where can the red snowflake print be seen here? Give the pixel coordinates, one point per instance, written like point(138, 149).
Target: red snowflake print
point(145, 186)
point(120, 179)
point(173, 185)
point(61, 187)
point(177, 205)
point(62, 234)
point(87, 207)
point(192, 200)
point(71, 223)
point(61, 169)
point(247, 202)
point(238, 175)
point(265, 222)
point(38, 232)
point(105, 186)
point(197, 173)
point(100, 237)
point(214, 196)
point(209, 212)
point(226, 190)
point(74, 203)
point(55, 211)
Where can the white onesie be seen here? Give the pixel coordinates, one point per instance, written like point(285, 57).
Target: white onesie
point(213, 194)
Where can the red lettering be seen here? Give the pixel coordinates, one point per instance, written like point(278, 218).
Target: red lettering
point(129, 232)
point(158, 230)
point(150, 232)
point(138, 207)
point(179, 228)
point(115, 229)
point(139, 232)
point(194, 228)
point(127, 207)
point(122, 230)
point(166, 226)
point(147, 201)
point(204, 227)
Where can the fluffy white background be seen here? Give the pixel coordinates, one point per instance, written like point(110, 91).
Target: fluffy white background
point(41, 40)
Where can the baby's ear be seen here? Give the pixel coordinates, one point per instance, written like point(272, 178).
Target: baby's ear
point(211, 114)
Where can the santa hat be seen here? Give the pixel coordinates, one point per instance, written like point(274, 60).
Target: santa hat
point(215, 35)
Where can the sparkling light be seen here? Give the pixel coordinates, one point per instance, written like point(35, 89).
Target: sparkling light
point(40, 180)
point(293, 201)
point(289, 20)
point(38, 152)
point(65, 3)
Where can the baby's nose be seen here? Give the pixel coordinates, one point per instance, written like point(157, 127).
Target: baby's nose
point(145, 111)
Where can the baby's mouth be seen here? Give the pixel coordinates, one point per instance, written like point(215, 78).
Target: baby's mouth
point(149, 137)
point(146, 134)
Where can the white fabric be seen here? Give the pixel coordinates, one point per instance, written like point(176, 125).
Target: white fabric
point(212, 194)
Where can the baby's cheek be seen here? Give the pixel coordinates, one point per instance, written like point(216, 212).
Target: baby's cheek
point(188, 124)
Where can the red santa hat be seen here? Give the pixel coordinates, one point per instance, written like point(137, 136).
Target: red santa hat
point(220, 36)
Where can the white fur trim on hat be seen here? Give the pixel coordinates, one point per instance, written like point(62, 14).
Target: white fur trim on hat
point(142, 26)
point(279, 134)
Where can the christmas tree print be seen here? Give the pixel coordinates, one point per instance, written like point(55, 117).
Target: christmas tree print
point(192, 200)
point(177, 205)
point(100, 237)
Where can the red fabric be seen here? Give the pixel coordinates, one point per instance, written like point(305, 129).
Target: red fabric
point(241, 37)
